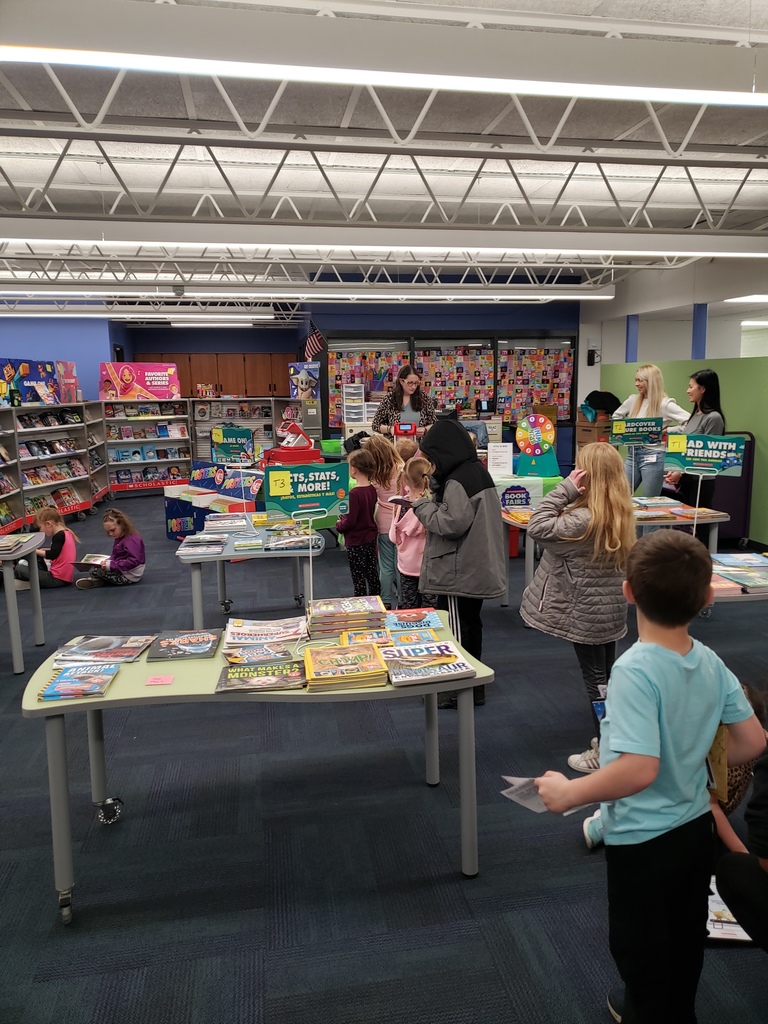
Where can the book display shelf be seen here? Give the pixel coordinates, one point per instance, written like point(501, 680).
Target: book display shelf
point(262, 416)
point(95, 437)
point(148, 444)
point(11, 501)
point(52, 447)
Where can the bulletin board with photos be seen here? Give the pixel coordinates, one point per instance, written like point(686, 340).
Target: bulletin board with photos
point(456, 375)
point(534, 376)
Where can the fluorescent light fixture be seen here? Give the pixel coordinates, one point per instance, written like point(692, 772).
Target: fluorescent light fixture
point(207, 323)
point(88, 291)
point(377, 77)
point(379, 293)
point(749, 298)
point(754, 323)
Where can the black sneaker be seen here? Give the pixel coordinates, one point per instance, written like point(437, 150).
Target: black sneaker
point(616, 1003)
point(447, 701)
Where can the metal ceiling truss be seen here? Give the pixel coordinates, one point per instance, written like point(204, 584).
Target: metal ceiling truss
point(146, 310)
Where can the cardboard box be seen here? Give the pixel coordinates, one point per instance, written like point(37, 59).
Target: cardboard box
point(587, 433)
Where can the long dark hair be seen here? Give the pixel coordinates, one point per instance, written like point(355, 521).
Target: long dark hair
point(397, 390)
point(710, 400)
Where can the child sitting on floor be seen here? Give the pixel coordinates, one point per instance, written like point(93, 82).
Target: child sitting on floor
point(55, 562)
point(127, 561)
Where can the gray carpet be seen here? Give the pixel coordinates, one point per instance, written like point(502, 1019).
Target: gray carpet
point(288, 865)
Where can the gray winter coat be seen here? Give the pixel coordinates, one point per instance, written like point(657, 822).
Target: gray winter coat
point(571, 595)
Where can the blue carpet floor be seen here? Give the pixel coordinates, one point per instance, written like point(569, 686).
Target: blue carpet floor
point(287, 865)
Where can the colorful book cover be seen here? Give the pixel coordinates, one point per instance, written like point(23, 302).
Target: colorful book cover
point(284, 675)
point(258, 654)
point(80, 681)
point(749, 559)
point(173, 644)
point(413, 636)
point(441, 652)
point(402, 673)
point(380, 637)
point(91, 649)
point(329, 662)
point(412, 618)
point(245, 632)
point(341, 607)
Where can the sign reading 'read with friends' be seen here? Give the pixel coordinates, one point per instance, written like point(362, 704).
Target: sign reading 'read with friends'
point(705, 453)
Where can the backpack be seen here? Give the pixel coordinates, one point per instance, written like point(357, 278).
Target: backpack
point(355, 441)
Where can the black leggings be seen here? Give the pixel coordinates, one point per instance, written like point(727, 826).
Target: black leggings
point(596, 662)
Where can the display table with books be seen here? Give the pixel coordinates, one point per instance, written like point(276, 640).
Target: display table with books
point(201, 674)
point(15, 546)
point(235, 537)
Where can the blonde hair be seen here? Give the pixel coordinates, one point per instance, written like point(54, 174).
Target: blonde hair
point(417, 472)
point(52, 515)
point(654, 390)
point(387, 462)
point(406, 448)
point(608, 498)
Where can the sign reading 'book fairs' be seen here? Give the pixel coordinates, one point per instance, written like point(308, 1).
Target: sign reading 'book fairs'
point(296, 489)
point(637, 431)
point(705, 453)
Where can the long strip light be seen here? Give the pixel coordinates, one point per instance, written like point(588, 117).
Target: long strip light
point(377, 77)
point(754, 323)
point(761, 299)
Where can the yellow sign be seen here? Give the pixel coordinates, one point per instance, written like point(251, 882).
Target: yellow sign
point(619, 427)
point(217, 435)
point(677, 442)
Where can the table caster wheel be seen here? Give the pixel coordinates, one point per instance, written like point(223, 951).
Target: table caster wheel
point(93, 511)
point(299, 600)
point(65, 906)
point(81, 516)
point(110, 495)
point(226, 606)
point(705, 613)
point(110, 810)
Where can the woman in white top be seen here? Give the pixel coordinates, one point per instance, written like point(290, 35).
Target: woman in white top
point(645, 463)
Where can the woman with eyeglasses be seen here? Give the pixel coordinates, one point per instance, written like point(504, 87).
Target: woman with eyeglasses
point(406, 403)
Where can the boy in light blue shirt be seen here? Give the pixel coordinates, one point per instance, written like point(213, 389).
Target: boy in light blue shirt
point(666, 697)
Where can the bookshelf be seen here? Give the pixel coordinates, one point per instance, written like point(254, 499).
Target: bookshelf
point(260, 415)
point(148, 444)
point(11, 500)
point(52, 447)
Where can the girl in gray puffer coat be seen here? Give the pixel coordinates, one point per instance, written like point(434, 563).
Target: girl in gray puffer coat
point(586, 527)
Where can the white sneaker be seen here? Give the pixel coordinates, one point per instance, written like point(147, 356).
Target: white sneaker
point(592, 827)
point(589, 760)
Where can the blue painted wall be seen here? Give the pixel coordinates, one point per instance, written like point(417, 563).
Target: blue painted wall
point(214, 339)
point(412, 318)
point(83, 342)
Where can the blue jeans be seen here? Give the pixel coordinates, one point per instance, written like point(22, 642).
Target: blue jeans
point(648, 469)
point(387, 568)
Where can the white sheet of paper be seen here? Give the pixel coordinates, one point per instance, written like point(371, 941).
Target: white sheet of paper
point(523, 791)
point(500, 459)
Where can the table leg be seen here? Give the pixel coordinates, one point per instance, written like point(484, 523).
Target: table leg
point(296, 578)
point(197, 594)
point(61, 825)
point(431, 739)
point(96, 756)
point(713, 535)
point(505, 599)
point(221, 583)
point(467, 784)
point(12, 605)
point(530, 559)
point(37, 604)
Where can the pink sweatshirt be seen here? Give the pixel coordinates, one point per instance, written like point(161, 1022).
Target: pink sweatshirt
point(385, 508)
point(410, 536)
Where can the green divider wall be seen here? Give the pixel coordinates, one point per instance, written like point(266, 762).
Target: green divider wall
point(743, 390)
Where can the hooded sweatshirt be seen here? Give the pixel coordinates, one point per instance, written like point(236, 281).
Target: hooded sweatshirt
point(464, 553)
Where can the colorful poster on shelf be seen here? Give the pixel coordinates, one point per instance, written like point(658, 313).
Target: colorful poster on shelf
point(637, 431)
point(227, 480)
point(313, 488)
point(138, 380)
point(705, 453)
point(304, 380)
point(66, 376)
point(31, 379)
point(232, 444)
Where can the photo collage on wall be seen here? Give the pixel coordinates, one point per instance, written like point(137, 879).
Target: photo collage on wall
point(534, 376)
point(456, 376)
point(376, 369)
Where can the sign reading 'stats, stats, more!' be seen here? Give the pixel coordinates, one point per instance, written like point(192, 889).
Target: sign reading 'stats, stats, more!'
point(705, 453)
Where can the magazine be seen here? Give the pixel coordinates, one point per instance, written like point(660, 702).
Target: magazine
point(413, 618)
point(257, 654)
point(364, 661)
point(79, 681)
point(283, 675)
point(412, 636)
point(380, 637)
point(426, 663)
point(245, 632)
point(91, 649)
point(173, 644)
point(345, 607)
point(721, 924)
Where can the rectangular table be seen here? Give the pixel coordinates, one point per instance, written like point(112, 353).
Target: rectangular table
point(194, 682)
point(26, 550)
point(530, 563)
point(196, 561)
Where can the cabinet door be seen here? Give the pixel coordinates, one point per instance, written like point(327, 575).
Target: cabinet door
point(203, 368)
point(231, 373)
point(181, 359)
point(279, 372)
point(258, 374)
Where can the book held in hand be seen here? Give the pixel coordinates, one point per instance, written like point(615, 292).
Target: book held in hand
point(87, 562)
point(173, 644)
point(79, 681)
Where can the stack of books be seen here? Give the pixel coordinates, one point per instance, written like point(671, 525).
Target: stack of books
point(9, 543)
point(74, 681)
point(426, 663)
point(203, 544)
point(334, 615)
point(689, 512)
point(275, 633)
point(226, 522)
point(276, 675)
point(344, 668)
point(518, 516)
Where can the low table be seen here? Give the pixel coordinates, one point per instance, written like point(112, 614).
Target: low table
point(30, 544)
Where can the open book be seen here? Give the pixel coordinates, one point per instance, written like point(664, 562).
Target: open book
point(87, 562)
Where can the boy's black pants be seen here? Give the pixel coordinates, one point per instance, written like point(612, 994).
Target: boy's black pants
point(657, 921)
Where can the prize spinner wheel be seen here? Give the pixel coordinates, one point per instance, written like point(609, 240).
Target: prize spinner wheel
point(535, 435)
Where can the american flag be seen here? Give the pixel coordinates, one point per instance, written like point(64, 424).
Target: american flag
point(315, 343)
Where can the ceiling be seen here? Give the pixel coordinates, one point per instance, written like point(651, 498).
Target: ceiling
point(201, 192)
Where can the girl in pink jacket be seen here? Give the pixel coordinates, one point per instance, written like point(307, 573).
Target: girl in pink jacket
point(409, 536)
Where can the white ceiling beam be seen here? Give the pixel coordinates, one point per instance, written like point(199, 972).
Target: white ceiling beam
point(371, 237)
point(266, 45)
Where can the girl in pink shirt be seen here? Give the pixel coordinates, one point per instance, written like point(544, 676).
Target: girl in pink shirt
point(409, 535)
point(386, 478)
point(54, 562)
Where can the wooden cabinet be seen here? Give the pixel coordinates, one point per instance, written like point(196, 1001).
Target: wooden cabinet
point(254, 374)
point(204, 368)
point(231, 373)
point(280, 362)
point(266, 373)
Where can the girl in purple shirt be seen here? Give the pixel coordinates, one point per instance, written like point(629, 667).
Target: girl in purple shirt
point(126, 564)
